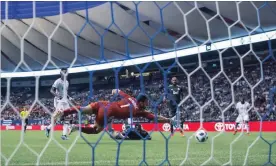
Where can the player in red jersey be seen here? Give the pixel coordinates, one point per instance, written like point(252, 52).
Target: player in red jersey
point(115, 110)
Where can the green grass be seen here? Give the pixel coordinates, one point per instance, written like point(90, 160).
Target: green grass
point(131, 151)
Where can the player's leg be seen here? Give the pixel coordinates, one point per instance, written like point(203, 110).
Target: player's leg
point(65, 128)
point(246, 120)
point(70, 127)
point(49, 127)
point(181, 122)
point(236, 128)
point(173, 109)
point(95, 129)
point(66, 122)
point(99, 122)
point(26, 124)
point(92, 108)
point(238, 121)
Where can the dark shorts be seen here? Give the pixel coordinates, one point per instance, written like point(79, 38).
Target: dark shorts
point(26, 121)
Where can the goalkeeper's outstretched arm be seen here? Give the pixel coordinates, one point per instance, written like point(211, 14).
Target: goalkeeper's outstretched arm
point(151, 116)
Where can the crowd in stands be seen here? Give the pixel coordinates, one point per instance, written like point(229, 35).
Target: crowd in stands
point(201, 103)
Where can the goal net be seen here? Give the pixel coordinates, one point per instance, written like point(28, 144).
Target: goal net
point(194, 61)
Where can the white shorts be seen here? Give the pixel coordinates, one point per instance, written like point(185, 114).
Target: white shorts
point(61, 105)
point(242, 118)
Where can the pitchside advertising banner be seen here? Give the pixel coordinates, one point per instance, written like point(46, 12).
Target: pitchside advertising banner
point(165, 127)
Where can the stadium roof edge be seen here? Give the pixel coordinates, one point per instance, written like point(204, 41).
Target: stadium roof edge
point(24, 9)
point(159, 57)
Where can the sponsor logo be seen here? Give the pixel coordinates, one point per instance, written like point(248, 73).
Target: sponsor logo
point(10, 127)
point(219, 126)
point(166, 127)
point(186, 127)
point(228, 127)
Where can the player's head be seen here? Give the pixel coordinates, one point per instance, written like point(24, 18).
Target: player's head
point(142, 101)
point(138, 127)
point(242, 100)
point(174, 80)
point(63, 72)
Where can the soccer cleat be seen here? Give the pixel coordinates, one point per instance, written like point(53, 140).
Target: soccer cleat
point(72, 129)
point(47, 132)
point(248, 134)
point(172, 134)
point(235, 132)
point(64, 137)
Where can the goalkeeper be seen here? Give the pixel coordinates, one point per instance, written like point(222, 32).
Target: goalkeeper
point(117, 110)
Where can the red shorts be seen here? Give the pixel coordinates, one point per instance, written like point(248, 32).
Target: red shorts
point(103, 111)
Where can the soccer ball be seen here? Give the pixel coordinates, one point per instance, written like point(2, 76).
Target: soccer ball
point(201, 136)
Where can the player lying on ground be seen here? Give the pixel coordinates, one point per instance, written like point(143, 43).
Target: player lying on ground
point(129, 133)
point(137, 134)
point(243, 108)
point(115, 110)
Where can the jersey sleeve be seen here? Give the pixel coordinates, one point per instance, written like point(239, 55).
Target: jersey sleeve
point(237, 106)
point(67, 85)
point(23, 114)
point(55, 84)
point(181, 91)
point(248, 105)
point(123, 94)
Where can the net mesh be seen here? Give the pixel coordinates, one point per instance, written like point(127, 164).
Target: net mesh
point(201, 99)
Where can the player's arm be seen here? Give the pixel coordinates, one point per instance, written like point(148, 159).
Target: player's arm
point(181, 93)
point(72, 100)
point(27, 113)
point(151, 116)
point(53, 91)
point(247, 109)
point(237, 107)
point(121, 93)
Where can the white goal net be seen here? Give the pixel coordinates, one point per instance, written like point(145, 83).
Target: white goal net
point(219, 52)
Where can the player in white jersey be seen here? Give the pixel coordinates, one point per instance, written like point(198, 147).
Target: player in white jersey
point(60, 91)
point(243, 108)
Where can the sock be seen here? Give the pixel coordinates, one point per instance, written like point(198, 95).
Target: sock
point(89, 130)
point(65, 129)
point(71, 110)
point(109, 127)
point(236, 126)
point(181, 126)
point(25, 127)
point(69, 126)
point(247, 127)
point(49, 127)
point(172, 128)
point(172, 125)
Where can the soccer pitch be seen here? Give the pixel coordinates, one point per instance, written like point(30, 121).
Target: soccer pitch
point(131, 152)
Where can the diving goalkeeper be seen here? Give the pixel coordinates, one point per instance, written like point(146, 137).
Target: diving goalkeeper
point(114, 110)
